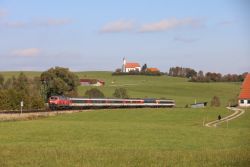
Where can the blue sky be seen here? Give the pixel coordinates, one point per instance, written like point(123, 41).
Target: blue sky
point(211, 35)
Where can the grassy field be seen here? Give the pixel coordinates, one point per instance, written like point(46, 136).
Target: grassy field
point(180, 89)
point(134, 137)
point(9, 74)
point(122, 137)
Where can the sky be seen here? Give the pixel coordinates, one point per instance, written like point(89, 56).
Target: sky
point(95, 35)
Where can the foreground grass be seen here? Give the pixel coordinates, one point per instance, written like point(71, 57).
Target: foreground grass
point(122, 137)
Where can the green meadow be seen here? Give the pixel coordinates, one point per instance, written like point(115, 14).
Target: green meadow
point(134, 137)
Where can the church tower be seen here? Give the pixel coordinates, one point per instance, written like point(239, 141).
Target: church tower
point(124, 65)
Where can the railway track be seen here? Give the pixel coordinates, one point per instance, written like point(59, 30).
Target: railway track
point(237, 112)
point(24, 111)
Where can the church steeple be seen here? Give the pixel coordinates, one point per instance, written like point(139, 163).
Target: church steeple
point(123, 65)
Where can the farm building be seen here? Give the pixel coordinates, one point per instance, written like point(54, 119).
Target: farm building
point(152, 69)
point(199, 105)
point(126, 67)
point(244, 97)
point(91, 82)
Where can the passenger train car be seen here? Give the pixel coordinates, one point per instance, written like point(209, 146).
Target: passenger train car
point(61, 102)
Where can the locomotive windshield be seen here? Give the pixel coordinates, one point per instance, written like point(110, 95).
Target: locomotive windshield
point(53, 98)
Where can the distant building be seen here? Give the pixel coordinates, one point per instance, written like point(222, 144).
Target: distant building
point(199, 105)
point(244, 97)
point(126, 67)
point(91, 82)
point(153, 69)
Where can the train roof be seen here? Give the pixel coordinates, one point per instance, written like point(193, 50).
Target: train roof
point(114, 99)
point(119, 99)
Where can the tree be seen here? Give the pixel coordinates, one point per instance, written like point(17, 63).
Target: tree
point(21, 83)
point(190, 73)
point(182, 72)
point(200, 74)
point(144, 68)
point(20, 89)
point(215, 102)
point(1, 81)
point(118, 70)
point(94, 93)
point(233, 102)
point(121, 93)
point(60, 81)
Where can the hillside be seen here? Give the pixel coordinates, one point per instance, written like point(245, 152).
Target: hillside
point(179, 89)
point(133, 137)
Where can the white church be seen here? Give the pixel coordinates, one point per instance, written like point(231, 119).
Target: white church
point(126, 67)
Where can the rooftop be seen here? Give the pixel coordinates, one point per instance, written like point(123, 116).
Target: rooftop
point(245, 88)
point(132, 65)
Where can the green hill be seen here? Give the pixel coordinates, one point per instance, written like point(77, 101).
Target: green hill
point(179, 89)
point(133, 137)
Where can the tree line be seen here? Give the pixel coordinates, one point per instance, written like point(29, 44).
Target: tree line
point(34, 92)
point(21, 88)
point(199, 76)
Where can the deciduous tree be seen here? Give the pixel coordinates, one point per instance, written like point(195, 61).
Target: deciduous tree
point(121, 93)
point(60, 81)
point(94, 93)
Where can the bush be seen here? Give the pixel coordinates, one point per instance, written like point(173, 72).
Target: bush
point(215, 102)
point(94, 93)
point(121, 93)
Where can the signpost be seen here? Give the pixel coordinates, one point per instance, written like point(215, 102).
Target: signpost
point(21, 104)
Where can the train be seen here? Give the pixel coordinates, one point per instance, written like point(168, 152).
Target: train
point(62, 102)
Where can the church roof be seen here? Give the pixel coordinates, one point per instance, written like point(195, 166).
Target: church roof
point(132, 65)
point(245, 88)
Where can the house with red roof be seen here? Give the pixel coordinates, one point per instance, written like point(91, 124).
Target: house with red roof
point(131, 66)
point(244, 97)
point(153, 69)
point(91, 82)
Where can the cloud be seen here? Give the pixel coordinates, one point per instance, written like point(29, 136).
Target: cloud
point(36, 23)
point(165, 25)
point(3, 13)
point(185, 39)
point(226, 22)
point(117, 26)
point(52, 22)
point(28, 52)
point(14, 24)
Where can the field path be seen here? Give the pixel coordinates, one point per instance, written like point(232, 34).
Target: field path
point(237, 112)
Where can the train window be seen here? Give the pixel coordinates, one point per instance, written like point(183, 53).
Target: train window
point(78, 101)
point(165, 102)
point(98, 101)
point(118, 101)
point(149, 101)
point(53, 98)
